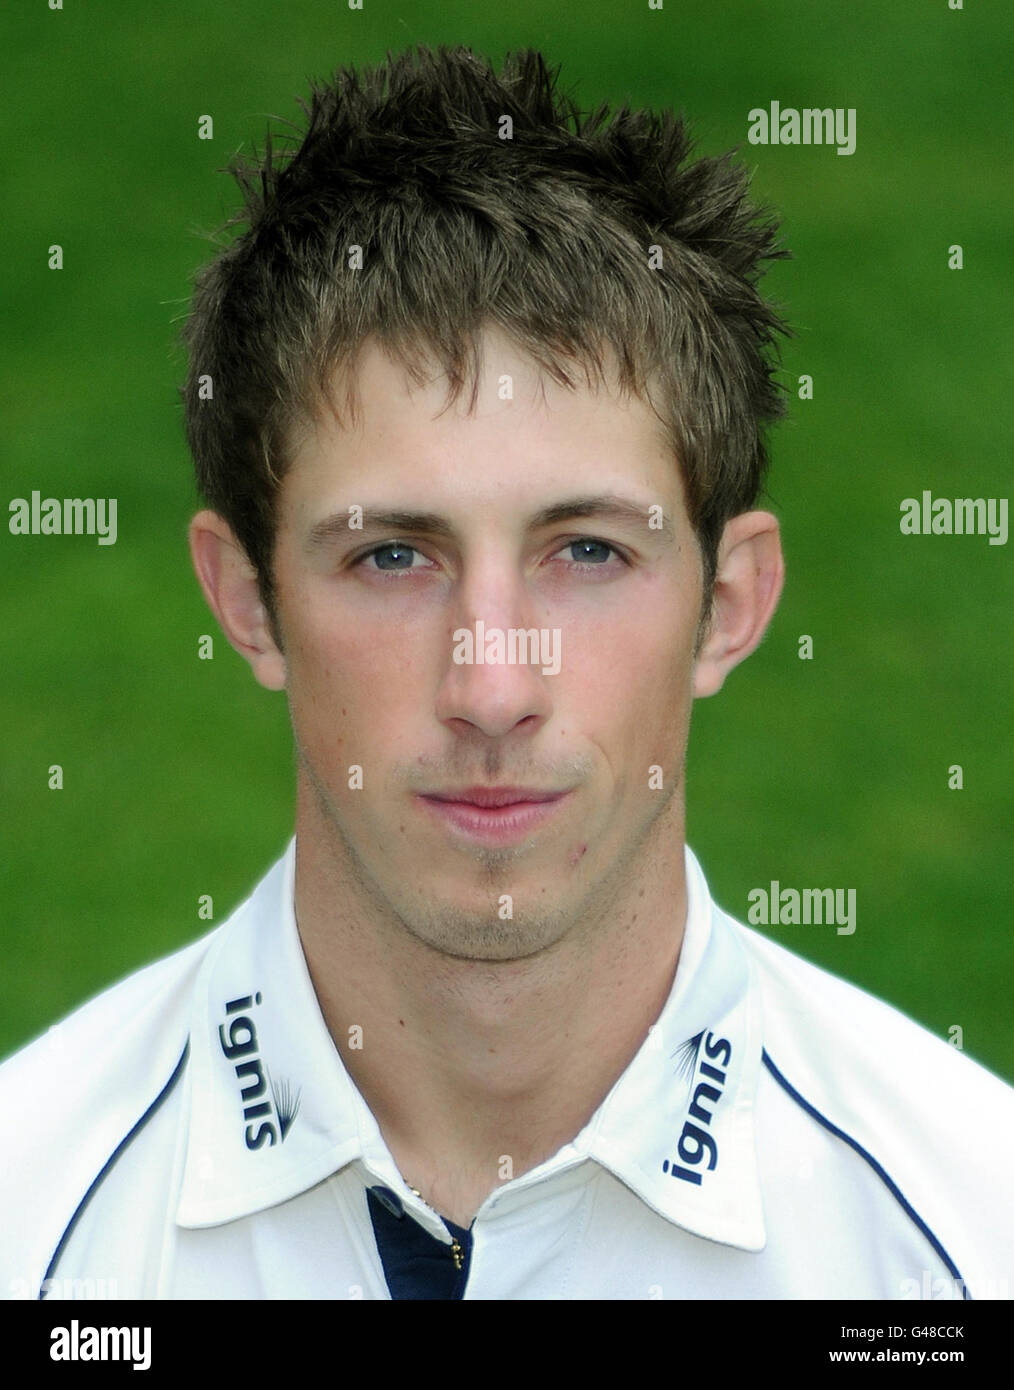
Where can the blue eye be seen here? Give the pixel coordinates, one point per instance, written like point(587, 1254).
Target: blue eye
point(401, 557)
point(588, 551)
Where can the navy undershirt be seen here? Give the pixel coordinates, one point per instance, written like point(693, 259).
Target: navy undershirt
point(416, 1264)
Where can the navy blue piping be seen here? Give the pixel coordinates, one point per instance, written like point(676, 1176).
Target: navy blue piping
point(109, 1163)
point(888, 1182)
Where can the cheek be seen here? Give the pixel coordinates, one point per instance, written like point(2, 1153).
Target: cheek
point(353, 688)
point(656, 710)
point(637, 662)
point(327, 649)
point(630, 691)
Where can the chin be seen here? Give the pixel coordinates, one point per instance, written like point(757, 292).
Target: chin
point(482, 936)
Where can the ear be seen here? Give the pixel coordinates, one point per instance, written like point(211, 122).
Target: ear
point(229, 582)
point(748, 584)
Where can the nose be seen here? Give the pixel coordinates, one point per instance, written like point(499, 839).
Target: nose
point(494, 680)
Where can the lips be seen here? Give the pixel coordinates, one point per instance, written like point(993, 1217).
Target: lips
point(493, 816)
point(488, 798)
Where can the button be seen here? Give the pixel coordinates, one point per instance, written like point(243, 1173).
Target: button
point(389, 1199)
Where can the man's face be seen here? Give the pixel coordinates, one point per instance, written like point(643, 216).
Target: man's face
point(373, 625)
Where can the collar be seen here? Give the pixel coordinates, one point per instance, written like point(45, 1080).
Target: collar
point(273, 1111)
point(678, 1126)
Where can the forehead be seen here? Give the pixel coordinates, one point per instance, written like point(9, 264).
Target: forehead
point(518, 436)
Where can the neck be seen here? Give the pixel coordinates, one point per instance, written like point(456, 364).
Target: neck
point(477, 1071)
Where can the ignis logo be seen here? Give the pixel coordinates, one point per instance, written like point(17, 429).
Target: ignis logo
point(270, 1119)
point(695, 1144)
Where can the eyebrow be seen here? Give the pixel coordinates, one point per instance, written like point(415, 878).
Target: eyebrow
point(606, 507)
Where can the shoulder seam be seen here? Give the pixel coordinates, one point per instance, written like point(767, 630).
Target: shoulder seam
point(881, 1173)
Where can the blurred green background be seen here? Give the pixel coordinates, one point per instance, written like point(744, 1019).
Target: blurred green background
point(830, 772)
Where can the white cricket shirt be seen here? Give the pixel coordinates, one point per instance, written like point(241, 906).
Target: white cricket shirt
point(193, 1133)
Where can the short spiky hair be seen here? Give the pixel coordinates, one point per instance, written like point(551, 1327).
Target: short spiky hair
point(574, 233)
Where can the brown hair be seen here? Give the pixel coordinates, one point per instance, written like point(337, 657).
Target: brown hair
point(574, 233)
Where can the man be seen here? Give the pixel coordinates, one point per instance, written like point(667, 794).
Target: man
point(477, 403)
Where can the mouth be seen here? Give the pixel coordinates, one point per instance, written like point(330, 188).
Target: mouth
point(494, 815)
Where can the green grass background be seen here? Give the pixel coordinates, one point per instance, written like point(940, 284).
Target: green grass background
point(832, 772)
